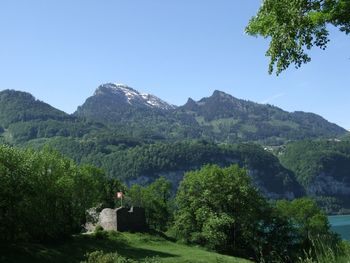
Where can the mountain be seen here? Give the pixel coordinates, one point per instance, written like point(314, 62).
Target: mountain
point(117, 103)
point(17, 106)
point(223, 117)
point(118, 108)
point(24, 118)
point(220, 117)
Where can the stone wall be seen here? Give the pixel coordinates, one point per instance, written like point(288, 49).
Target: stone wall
point(123, 219)
point(108, 219)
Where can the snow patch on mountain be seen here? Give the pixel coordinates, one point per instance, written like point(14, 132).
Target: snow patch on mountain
point(134, 97)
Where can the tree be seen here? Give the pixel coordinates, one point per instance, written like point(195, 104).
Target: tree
point(295, 26)
point(219, 208)
point(44, 196)
point(311, 221)
point(312, 232)
point(155, 198)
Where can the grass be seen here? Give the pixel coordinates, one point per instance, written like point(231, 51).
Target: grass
point(131, 245)
point(325, 254)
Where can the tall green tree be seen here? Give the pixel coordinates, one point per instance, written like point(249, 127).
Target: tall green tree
point(312, 229)
point(295, 26)
point(311, 221)
point(219, 208)
point(156, 199)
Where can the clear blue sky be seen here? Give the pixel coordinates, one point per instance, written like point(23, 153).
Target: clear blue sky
point(61, 50)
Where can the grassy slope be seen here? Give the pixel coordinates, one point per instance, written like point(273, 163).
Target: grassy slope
point(135, 246)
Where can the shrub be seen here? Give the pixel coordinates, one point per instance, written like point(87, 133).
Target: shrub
point(101, 257)
point(100, 233)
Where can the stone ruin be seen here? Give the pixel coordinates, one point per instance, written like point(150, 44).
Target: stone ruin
point(119, 219)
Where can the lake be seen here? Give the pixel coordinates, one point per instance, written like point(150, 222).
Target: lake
point(341, 225)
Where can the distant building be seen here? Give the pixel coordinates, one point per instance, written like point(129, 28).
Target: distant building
point(334, 140)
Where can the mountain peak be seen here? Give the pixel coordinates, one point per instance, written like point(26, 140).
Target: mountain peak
point(114, 88)
point(221, 94)
point(132, 96)
point(190, 104)
point(190, 101)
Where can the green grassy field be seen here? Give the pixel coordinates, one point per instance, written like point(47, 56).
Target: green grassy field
point(134, 246)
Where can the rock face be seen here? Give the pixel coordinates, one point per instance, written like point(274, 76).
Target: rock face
point(123, 219)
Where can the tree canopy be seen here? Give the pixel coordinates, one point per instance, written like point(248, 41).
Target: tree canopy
point(44, 196)
point(219, 208)
point(155, 199)
point(295, 26)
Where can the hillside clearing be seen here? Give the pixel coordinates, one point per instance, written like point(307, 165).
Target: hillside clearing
point(135, 246)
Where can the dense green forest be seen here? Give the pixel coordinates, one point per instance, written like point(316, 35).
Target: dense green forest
point(45, 197)
point(322, 167)
point(140, 162)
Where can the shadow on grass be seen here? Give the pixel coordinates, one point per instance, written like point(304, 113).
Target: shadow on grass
point(74, 250)
point(162, 235)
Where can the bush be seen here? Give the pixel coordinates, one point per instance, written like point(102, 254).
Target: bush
point(99, 233)
point(101, 257)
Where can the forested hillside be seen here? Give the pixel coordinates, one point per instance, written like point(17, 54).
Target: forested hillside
point(323, 168)
point(142, 163)
point(137, 138)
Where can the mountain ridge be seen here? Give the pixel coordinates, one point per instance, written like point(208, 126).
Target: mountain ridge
point(220, 117)
point(141, 143)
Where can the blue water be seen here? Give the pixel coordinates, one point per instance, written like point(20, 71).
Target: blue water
point(341, 225)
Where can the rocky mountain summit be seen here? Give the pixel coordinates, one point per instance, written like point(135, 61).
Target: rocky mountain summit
point(119, 104)
point(124, 93)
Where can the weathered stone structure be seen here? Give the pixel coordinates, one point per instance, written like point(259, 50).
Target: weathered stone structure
point(122, 219)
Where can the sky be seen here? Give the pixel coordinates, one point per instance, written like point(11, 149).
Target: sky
point(62, 50)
